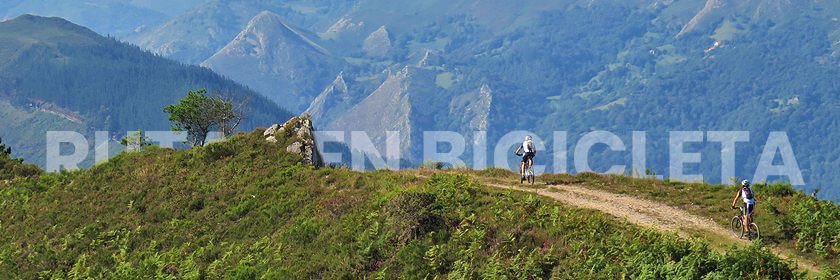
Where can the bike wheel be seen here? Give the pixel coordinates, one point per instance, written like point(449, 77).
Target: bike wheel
point(531, 174)
point(754, 233)
point(737, 227)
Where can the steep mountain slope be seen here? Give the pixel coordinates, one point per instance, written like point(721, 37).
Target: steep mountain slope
point(717, 10)
point(49, 66)
point(473, 108)
point(277, 60)
point(247, 209)
point(332, 102)
point(407, 99)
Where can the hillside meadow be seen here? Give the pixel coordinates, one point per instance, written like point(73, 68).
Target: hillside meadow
point(246, 209)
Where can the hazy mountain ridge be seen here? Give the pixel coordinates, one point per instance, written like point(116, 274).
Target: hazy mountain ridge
point(332, 102)
point(276, 60)
point(391, 107)
point(197, 34)
point(66, 77)
point(109, 17)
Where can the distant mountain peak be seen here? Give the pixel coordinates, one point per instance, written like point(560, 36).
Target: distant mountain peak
point(44, 29)
point(333, 101)
point(267, 28)
point(378, 43)
point(396, 105)
point(33, 19)
point(276, 59)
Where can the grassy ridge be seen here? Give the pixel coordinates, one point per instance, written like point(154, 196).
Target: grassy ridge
point(789, 219)
point(246, 209)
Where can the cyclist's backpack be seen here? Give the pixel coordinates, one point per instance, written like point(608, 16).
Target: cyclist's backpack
point(748, 192)
point(530, 146)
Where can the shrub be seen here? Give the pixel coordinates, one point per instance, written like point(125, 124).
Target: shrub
point(218, 150)
point(412, 214)
point(782, 189)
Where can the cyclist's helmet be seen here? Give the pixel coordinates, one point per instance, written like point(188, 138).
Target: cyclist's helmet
point(745, 183)
point(528, 138)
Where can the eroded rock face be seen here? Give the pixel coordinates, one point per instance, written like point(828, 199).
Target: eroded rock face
point(377, 43)
point(301, 133)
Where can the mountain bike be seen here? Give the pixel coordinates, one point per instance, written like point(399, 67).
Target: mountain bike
point(737, 226)
point(529, 172)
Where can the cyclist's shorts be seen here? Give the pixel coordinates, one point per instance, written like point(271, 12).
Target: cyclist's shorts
point(748, 208)
point(527, 156)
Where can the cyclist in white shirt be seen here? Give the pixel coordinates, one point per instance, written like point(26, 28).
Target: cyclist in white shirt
point(746, 194)
point(527, 147)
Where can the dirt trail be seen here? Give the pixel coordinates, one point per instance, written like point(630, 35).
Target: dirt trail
point(641, 212)
point(638, 211)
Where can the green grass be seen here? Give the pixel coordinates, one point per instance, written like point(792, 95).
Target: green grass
point(246, 209)
point(446, 80)
point(726, 31)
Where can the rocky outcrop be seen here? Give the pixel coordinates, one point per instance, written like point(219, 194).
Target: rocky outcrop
point(331, 103)
point(430, 59)
point(299, 133)
point(473, 108)
point(345, 24)
point(377, 43)
point(403, 103)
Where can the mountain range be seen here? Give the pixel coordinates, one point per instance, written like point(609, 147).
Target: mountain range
point(58, 76)
point(576, 66)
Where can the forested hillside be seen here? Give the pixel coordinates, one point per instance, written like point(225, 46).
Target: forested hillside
point(55, 75)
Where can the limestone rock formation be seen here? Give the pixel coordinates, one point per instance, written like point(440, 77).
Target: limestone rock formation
point(473, 108)
point(331, 103)
point(377, 43)
point(300, 133)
